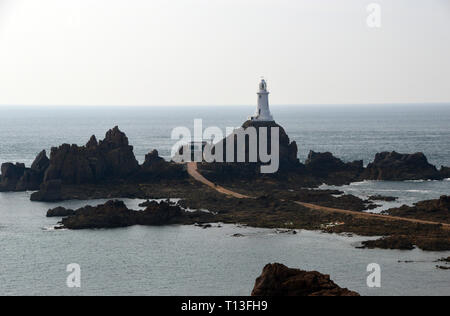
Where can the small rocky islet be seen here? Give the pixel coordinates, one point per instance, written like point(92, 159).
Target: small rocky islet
point(278, 280)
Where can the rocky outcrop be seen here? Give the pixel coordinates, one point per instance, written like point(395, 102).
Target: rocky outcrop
point(248, 164)
point(408, 242)
point(11, 174)
point(49, 191)
point(391, 242)
point(60, 212)
point(16, 177)
point(111, 158)
point(445, 172)
point(431, 210)
point(33, 177)
point(157, 168)
point(115, 214)
point(279, 280)
point(399, 167)
point(333, 170)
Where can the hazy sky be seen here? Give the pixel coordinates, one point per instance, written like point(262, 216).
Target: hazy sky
point(207, 52)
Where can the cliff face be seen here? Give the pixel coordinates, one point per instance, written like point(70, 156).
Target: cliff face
point(279, 280)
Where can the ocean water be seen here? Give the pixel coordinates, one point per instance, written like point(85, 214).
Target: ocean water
point(187, 260)
point(350, 132)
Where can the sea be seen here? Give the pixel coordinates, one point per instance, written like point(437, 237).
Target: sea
point(189, 260)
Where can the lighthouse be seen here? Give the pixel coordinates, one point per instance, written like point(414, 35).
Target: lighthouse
point(262, 111)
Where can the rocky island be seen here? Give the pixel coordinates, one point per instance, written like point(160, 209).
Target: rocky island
point(278, 280)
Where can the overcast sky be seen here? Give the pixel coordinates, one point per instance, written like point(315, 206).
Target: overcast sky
point(208, 52)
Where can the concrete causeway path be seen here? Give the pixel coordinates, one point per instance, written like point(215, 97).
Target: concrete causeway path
point(194, 173)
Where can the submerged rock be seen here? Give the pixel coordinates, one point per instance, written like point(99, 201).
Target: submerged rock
point(399, 167)
point(279, 280)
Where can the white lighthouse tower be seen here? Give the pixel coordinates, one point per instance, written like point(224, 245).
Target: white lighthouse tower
point(262, 111)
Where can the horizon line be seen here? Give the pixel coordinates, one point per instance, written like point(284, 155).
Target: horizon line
point(226, 105)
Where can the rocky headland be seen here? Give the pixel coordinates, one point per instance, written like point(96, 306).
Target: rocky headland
point(279, 280)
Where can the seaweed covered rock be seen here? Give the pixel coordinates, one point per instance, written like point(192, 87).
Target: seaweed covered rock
point(399, 167)
point(279, 280)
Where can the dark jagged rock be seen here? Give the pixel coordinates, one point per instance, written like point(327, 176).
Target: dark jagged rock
point(432, 210)
point(399, 167)
point(323, 164)
point(157, 168)
point(111, 158)
point(16, 177)
point(41, 163)
point(383, 198)
point(152, 159)
point(331, 169)
point(50, 191)
point(445, 172)
point(249, 166)
point(11, 174)
point(92, 143)
point(60, 212)
point(114, 214)
point(33, 177)
point(279, 280)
